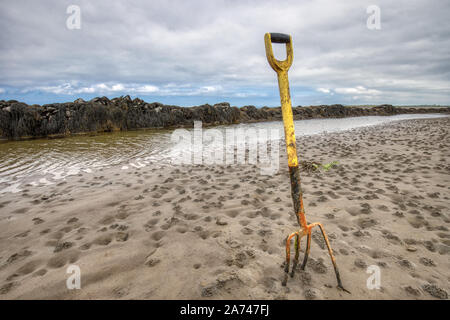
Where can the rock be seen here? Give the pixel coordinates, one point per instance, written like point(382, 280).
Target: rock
point(100, 114)
point(79, 100)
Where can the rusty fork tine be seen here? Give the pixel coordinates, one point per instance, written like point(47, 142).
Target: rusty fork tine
point(288, 256)
point(330, 252)
point(297, 249)
point(308, 246)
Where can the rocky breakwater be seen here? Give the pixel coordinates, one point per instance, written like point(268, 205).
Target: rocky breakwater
point(253, 114)
point(20, 121)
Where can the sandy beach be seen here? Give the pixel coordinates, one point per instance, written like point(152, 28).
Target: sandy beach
point(204, 232)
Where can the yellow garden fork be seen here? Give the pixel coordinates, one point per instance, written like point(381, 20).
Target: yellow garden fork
point(281, 68)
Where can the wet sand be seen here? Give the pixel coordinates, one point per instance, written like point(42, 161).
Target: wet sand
point(203, 232)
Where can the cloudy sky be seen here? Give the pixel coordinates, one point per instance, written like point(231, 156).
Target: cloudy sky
point(194, 52)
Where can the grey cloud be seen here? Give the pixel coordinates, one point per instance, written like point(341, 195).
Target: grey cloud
point(220, 44)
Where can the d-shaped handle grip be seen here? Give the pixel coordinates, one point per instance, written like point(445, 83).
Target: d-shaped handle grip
point(277, 65)
point(279, 38)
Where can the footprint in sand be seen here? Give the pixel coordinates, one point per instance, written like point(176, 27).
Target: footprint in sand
point(72, 220)
point(429, 245)
point(65, 229)
point(56, 235)
point(181, 229)
point(360, 263)
point(275, 216)
point(317, 266)
point(150, 224)
point(247, 231)
point(151, 262)
point(121, 236)
point(318, 238)
point(406, 263)
point(45, 231)
point(264, 232)
point(191, 216)
point(221, 221)
point(62, 258)
point(435, 291)
point(417, 221)
point(107, 220)
point(7, 287)
point(204, 234)
point(364, 223)
point(170, 223)
point(22, 234)
point(40, 273)
point(38, 220)
point(354, 211)
point(427, 262)
point(60, 246)
point(103, 240)
point(252, 214)
point(333, 195)
point(123, 214)
point(265, 212)
point(232, 213)
point(383, 208)
point(120, 292)
point(390, 236)
point(158, 235)
point(85, 246)
point(244, 222)
point(21, 210)
point(29, 267)
point(120, 227)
